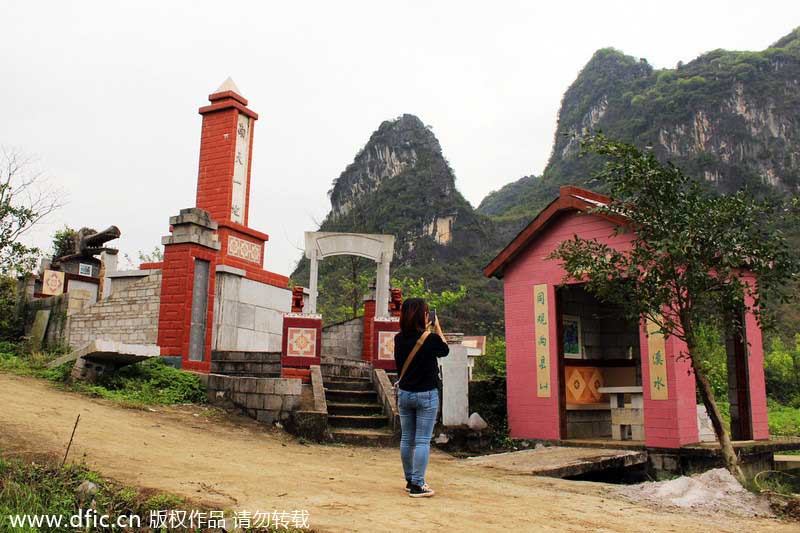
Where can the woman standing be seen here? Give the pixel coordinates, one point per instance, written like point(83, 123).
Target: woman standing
point(415, 352)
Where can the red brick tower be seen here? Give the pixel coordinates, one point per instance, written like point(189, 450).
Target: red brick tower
point(214, 235)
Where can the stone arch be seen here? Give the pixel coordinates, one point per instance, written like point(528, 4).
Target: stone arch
point(379, 248)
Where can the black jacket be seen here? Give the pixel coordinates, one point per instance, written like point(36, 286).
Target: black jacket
point(423, 374)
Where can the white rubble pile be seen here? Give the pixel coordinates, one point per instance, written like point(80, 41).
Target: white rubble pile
point(713, 491)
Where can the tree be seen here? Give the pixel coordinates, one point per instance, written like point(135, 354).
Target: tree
point(692, 254)
point(156, 255)
point(25, 199)
point(415, 288)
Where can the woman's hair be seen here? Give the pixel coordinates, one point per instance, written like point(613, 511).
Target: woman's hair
point(413, 316)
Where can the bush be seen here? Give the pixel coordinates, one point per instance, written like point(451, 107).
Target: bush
point(493, 363)
point(150, 382)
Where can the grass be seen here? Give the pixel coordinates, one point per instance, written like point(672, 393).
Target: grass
point(44, 487)
point(783, 420)
point(151, 382)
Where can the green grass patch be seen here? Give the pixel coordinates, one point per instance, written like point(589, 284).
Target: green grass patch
point(43, 487)
point(150, 382)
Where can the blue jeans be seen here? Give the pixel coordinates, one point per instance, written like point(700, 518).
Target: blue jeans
point(417, 417)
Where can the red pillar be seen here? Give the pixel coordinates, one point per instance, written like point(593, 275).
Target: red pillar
point(671, 421)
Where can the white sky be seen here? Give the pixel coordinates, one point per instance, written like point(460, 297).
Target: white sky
point(106, 95)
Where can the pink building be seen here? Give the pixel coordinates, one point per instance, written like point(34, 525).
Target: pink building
point(577, 369)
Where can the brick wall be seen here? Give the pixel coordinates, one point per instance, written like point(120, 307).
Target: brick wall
point(129, 315)
point(216, 163)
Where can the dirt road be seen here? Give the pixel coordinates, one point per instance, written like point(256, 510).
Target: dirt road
point(238, 465)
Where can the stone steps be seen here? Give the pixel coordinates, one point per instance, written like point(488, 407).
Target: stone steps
point(351, 396)
point(354, 409)
point(357, 421)
point(363, 437)
point(354, 414)
point(353, 384)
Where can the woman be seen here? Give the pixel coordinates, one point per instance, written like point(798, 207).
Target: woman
point(418, 393)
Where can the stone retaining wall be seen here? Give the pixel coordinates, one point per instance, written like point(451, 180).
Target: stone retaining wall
point(267, 400)
point(253, 364)
point(129, 315)
point(344, 340)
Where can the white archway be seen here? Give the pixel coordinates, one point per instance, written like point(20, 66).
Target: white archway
point(379, 248)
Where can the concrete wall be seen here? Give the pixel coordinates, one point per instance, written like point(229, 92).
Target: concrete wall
point(343, 340)
point(248, 315)
point(129, 315)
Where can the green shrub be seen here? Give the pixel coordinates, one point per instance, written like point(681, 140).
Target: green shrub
point(493, 363)
point(713, 358)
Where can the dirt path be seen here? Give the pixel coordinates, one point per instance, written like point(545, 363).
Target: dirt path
point(238, 465)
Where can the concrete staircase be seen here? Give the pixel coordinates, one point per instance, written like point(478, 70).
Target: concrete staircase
point(354, 414)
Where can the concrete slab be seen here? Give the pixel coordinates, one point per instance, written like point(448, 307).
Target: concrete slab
point(787, 462)
point(557, 461)
point(102, 351)
point(39, 328)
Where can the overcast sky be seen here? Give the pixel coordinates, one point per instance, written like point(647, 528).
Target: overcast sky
point(106, 96)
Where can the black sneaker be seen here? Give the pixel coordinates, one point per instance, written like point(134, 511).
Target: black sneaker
point(421, 492)
point(408, 486)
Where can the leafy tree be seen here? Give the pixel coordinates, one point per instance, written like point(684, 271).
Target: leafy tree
point(690, 252)
point(416, 288)
point(24, 201)
point(156, 255)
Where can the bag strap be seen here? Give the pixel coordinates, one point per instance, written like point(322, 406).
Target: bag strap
point(414, 351)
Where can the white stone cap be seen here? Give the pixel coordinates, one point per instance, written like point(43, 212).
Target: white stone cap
point(138, 273)
point(303, 315)
point(228, 85)
point(227, 269)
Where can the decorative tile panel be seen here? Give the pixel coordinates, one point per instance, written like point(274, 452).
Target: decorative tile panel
point(249, 251)
point(541, 310)
point(386, 345)
point(302, 342)
point(657, 362)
